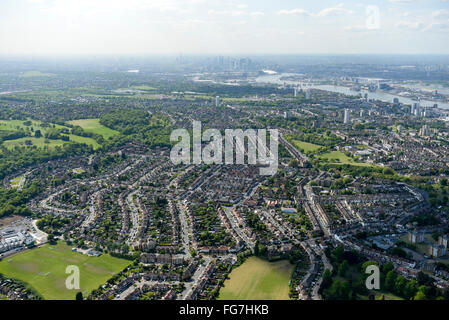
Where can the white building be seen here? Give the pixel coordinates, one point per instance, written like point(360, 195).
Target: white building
point(443, 240)
point(436, 251)
point(13, 240)
point(424, 131)
point(347, 117)
point(415, 237)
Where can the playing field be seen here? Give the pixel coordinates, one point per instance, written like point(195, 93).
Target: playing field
point(257, 279)
point(94, 126)
point(44, 270)
point(337, 157)
point(306, 146)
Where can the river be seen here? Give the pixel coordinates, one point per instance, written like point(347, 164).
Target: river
point(378, 95)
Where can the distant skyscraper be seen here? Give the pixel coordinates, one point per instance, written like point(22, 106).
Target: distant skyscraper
point(308, 95)
point(415, 109)
point(217, 101)
point(424, 131)
point(347, 117)
point(295, 92)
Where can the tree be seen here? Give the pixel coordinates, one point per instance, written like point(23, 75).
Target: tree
point(256, 248)
point(390, 280)
point(293, 163)
point(435, 236)
point(338, 254)
point(51, 238)
point(327, 279)
point(399, 252)
point(367, 264)
point(359, 287)
point(400, 285)
point(343, 268)
point(387, 267)
point(423, 279)
point(411, 289)
point(37, 134)
point(338, 291)
point(79, 296)
point(420, 296)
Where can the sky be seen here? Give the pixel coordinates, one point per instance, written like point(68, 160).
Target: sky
point(36, 27)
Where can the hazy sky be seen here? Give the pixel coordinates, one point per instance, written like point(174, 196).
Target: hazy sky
point(223, 26)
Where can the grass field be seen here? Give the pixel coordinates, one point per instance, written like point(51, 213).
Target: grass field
point(423, 247)
point(257, 279)
point(78, 170)
point(338, 157)
point(306, 146)
point(17, 124)
point(15, 182)
point(94, 126)
point(44, 270)
point(85, 140)
point(40, 142)
point(144, 88)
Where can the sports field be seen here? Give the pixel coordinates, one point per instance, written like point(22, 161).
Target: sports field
point(257, 279)
point(44, 269)
point(338, 157)
point(306, 146)
point(94, 126)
